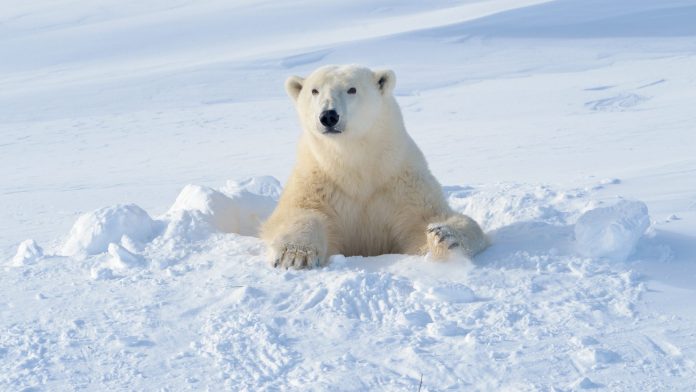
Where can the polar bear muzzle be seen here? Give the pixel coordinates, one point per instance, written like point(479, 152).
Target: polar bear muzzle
point(329, 119)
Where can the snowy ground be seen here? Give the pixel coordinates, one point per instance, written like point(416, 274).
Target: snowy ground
point(553, 123)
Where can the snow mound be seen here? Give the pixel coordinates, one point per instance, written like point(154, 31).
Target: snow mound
point(121, 260)
point(262, 185)
point(240, 209)
point(207, 205)
point(94, 231)
point(28, 252)
point(197, 212)
point(612, 232)
point(499, 205)
point(186, 226)
point(256, 198)
point(585, 383)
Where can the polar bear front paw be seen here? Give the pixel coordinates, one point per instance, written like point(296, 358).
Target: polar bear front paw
point(296, 256)
point(443, 239)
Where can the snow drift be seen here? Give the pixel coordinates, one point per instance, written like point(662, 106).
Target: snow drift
point(531, 110)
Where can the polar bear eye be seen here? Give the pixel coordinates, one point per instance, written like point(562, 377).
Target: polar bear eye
point(315, 91)
point(352, 90)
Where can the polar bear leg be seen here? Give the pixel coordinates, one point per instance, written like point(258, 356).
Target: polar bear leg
point(458, 233)
point(298, 239)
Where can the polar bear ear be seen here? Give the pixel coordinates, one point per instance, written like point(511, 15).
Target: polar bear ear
point(293, 85)
point(386, 80)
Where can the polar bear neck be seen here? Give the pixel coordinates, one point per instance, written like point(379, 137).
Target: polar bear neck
point(361, 165)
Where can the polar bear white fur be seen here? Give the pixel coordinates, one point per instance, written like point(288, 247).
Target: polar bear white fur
point(360, 185)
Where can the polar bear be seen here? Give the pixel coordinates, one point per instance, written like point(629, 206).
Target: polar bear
point(360, 186)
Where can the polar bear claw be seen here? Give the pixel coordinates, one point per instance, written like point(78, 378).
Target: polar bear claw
point(296, 256)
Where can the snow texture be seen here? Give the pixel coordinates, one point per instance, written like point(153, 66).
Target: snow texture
point(565, 127)
point(612, 231)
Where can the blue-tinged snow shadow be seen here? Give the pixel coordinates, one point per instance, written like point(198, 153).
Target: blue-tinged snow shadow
point(526, 238)
point(667, 257)
point(581, 19)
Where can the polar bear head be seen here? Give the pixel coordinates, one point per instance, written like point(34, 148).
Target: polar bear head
point(342, 101)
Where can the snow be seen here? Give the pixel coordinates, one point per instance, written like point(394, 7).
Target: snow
point(612, 231)
point(94, 231)
point(452, 292)
point(564, 127)
point(28, 252)
point(121, 260)
point(242, 212)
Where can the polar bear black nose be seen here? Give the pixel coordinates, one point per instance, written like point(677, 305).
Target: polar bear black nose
point(328, 118)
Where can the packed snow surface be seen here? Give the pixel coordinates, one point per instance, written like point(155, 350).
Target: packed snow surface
point(564, 127)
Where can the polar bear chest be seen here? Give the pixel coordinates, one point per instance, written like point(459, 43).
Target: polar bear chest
point(373, 225)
